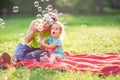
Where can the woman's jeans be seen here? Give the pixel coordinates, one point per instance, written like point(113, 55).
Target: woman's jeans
point(25, 52)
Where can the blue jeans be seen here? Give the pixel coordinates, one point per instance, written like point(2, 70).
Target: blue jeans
point(23, 49)
point(35, 55)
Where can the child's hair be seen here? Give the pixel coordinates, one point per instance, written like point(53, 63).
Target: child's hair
point(62, 29)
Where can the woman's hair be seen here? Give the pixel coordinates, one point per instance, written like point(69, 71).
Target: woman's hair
point(52, 16)
point(62, 29)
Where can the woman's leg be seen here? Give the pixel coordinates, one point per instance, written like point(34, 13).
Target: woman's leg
point(33, 55)
point(21, 50)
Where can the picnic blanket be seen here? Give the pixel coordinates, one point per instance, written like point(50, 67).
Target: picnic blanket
point(104, 64)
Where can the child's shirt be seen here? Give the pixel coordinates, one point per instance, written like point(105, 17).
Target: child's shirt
point(58, 49)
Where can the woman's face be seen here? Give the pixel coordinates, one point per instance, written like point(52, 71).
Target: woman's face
point(55, 31)
point(47, 22)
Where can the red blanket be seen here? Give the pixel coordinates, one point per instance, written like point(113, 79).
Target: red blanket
point(97, 63)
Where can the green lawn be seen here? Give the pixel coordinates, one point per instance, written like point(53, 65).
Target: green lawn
point(94, 34)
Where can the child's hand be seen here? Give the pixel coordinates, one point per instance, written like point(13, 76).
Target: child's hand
point(42, 47)
point(40, 41)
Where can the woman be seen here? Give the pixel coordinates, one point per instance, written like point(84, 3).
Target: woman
point(38, 28)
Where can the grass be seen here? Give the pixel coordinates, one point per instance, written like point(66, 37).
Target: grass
point(94, 34)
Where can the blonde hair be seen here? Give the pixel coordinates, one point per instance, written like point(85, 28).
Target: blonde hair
point(62, 35)
point(52, 15)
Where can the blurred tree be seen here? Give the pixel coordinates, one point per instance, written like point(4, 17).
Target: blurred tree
point(27, 6)
point(66, 6)
point(87, 6)
point(5, 7)
point(24, 6)
point(114, 3)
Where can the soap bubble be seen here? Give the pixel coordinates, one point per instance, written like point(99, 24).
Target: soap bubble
point(1, 20)
point(60, 14)
point(44, 12)
point(61, 18)
point(47, 0)
point(37, 38)
point(15, 9)
point(39, 16)
point(55, 11)
point(49, 8)
point(2, 23)
point(21, 37)
point(5, 77)
point(42, 0)
point(21, 34)
point(39, 26)
point(65, 23)
point(36, 3)
point(39, 8)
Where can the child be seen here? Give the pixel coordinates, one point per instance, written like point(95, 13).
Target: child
point(54, 47)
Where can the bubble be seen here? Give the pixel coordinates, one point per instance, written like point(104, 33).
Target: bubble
point(39, 16)
point(65, 24)
point(1, 20)
point(2, 23)
point(60, 14)
point(15, 9)
point(21, 37)
point(5, 77)
point(37, 38)
point(39, 26)
point(36, 3)
point(83, 25)
point(61, 18)
point(49, 8)
point(51, 21)
point(55, 11)
point(42, 0)
point(44, 12)
point(39, 8)
point(21, 34)
point(47, 0)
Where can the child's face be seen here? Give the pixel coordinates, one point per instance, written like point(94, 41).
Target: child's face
point(55, 31)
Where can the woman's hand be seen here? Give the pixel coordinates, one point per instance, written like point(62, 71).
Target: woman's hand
point(38, 27)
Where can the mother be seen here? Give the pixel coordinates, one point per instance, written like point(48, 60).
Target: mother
point(30, 45)
point(29, 49)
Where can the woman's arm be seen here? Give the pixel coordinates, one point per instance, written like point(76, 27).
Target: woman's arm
point(47, 45)
point(30, 33)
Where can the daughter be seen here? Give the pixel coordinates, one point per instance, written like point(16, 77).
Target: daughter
point(54, 46)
